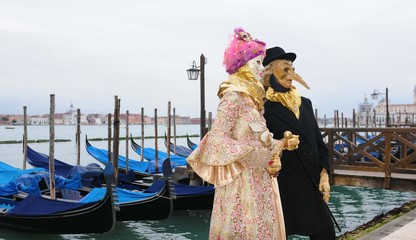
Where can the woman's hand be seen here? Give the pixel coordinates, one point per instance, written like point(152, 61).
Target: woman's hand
point(274, 165)
point(290, 141)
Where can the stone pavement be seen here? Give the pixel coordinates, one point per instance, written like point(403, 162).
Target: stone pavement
point(401, 228)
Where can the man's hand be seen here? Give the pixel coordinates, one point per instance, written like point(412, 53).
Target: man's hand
point(324, 187)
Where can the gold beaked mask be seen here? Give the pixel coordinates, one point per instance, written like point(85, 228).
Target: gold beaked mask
point(283, 70)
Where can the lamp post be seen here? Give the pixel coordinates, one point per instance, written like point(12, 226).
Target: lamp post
point(193, 73)
point(374, 96)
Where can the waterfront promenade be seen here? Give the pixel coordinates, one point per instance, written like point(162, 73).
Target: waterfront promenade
point(401, 228)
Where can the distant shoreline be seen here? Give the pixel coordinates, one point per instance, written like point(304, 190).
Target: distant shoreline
point(90, 139)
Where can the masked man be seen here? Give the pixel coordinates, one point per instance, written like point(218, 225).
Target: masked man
point(303, 179)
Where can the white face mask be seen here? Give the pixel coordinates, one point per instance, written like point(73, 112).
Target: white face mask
point(256, 67)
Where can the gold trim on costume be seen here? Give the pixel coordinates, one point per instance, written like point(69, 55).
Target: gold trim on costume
point(290, 99)
point(244, 81)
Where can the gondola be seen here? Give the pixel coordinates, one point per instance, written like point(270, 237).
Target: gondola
point(150, 155)
point(191, 145)
point(154, 203)
point(33, 213)
point(91, 175)
point(136, 203)
point(187, 197)
point(178, 150)
point(141, 168)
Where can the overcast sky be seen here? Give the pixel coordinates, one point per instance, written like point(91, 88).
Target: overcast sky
point(86, 52)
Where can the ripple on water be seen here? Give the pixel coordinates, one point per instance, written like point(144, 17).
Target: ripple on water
point(354, 206)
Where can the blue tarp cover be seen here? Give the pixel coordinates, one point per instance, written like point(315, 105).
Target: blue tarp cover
point(29, 183)
point(150, 154)
point(101, 155)
point(126, 196)
point(34, 205)
point(95, 195)
point(9, 176)
point(183, 190)
point(8, 189)
point(181, 150)
point(8, 172)
point(42, 160)
point(91, 174)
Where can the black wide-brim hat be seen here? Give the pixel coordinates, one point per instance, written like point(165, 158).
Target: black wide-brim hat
point(277, 53)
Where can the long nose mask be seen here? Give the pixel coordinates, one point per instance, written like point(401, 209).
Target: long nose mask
point(284, 70)
point(299, 79)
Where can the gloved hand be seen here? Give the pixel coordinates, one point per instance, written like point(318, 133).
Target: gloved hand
point(290, 141)
point(324, 187)
point(274, 165)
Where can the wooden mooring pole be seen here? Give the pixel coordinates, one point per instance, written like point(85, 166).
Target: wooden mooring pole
point(24, 136)
point(127, 141)
point(116, 135)
point(142, 148)
point(156, 145)
point(109, 136)
point(169, 130)
point(78, 136)
point(52, 147)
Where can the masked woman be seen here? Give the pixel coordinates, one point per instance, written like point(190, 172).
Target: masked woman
point(304, 174)
point(239, 154)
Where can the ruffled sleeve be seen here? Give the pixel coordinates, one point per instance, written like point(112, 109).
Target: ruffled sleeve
point(216, 160)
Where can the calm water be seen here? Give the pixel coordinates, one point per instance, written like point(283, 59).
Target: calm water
point(351, 206)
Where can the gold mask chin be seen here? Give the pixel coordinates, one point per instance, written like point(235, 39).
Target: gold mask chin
point(283, 70)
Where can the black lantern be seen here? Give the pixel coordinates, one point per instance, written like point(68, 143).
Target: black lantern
point(193, 72)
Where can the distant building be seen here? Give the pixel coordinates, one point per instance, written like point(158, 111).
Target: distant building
point(70, 118)
point(39, 120)
point(364, 111)
point(95, 119)
point(399, 114)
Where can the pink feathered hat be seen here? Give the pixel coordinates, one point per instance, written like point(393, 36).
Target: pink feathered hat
point(242, 49)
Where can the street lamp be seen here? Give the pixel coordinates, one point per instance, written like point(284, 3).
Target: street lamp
point(374, 96)
point(193, 73)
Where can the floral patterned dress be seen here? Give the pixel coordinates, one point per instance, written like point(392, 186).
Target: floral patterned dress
point(233, 156)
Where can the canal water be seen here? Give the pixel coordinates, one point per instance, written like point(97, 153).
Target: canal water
point(351, 206)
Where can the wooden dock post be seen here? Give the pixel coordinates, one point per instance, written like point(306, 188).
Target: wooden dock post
point(387, 160)
point(353, 118)
point(127, 141)
point(156, 145)
point(52, 147)
point(78, 136)
point(109, 136)
point(142, 148)
point(116, 134)
point(169, 133)
point(174, 131)
point(24, 136)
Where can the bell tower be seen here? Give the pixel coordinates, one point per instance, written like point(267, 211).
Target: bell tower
point(414, 95)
